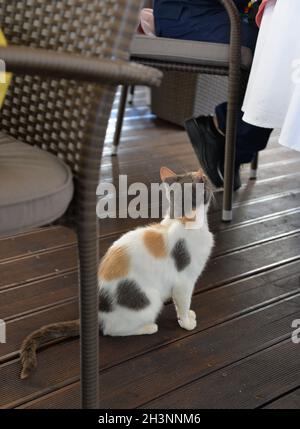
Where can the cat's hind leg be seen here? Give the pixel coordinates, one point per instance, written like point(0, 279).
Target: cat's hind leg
point(134, 313)
point(150, 328)
point(124, 322)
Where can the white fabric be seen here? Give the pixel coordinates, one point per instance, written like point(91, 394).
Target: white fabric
point(272, 98)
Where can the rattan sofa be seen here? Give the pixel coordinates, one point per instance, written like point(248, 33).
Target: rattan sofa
point(67, 57)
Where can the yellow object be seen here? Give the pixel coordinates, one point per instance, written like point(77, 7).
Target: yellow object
point(4, 77)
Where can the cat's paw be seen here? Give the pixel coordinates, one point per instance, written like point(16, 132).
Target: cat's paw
point(192, 314)
point(189, 323)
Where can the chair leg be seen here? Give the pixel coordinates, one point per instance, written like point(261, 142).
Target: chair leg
point(230, 146)
point(234, 92)
point(254, 166)
point(88, 245)
point(228, 175)
point(89, 326)
point(131, 93)
point(120, 117)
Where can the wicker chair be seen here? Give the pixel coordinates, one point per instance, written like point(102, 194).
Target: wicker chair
point(203, 58)
point(67, 57)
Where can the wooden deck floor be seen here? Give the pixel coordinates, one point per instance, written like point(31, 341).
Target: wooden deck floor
point(241, 354)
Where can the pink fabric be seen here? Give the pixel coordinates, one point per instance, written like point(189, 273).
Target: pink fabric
point(261, 12)
point(146, 25)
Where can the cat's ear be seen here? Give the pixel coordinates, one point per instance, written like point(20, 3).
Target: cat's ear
point(166, 173)
point(198, 175)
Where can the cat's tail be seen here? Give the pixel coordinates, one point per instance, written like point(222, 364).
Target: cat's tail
point(43, 335)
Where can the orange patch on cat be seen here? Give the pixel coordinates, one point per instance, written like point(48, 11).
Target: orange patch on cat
point(115, 264)
point(155, 243)
point(186, 219)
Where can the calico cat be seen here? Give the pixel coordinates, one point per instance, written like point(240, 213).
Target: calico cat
point(141, 271)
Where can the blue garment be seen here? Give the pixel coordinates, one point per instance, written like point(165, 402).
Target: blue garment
point(187, 19)
point(207, 21)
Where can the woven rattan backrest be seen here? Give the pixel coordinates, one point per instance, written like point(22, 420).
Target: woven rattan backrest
point(53, 114)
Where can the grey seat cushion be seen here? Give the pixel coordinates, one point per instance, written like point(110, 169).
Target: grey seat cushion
point(35, 186)
point(185, 51)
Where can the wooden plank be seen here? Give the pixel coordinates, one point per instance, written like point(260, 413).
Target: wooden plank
point(220, 270)
point(143, 163)
point(56, 399)
point(215, 306)
point(242, 263)
point(262, 189)
point(271, 168)
point(239, 237)
point(149, 130)
point(103, 248)
point(249, 234)
point(249, 383)
point(238, 231)
point(31, 268)
point(243, 212)
point(138, 171)
point(237, 265)
point(183, 160)
point(137, 133)
point(258, 210)
point(291, 401)
point(138, 381)
point(37, 241)
point(35, 296)
point(18, 329)
point(62, 369)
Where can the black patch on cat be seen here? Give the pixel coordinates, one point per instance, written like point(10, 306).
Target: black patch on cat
point(105, 301)
point(131, 296)
point(181, 255)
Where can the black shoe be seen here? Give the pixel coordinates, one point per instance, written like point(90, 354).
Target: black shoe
point(209, 146)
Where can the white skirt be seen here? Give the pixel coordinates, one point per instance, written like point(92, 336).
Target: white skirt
point(272, 98)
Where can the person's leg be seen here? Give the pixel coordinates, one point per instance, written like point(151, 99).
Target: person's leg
point(250, 139)
point(208, 136)
point(207, 139)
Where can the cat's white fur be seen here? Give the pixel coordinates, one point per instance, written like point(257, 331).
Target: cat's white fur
point(159, 279)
